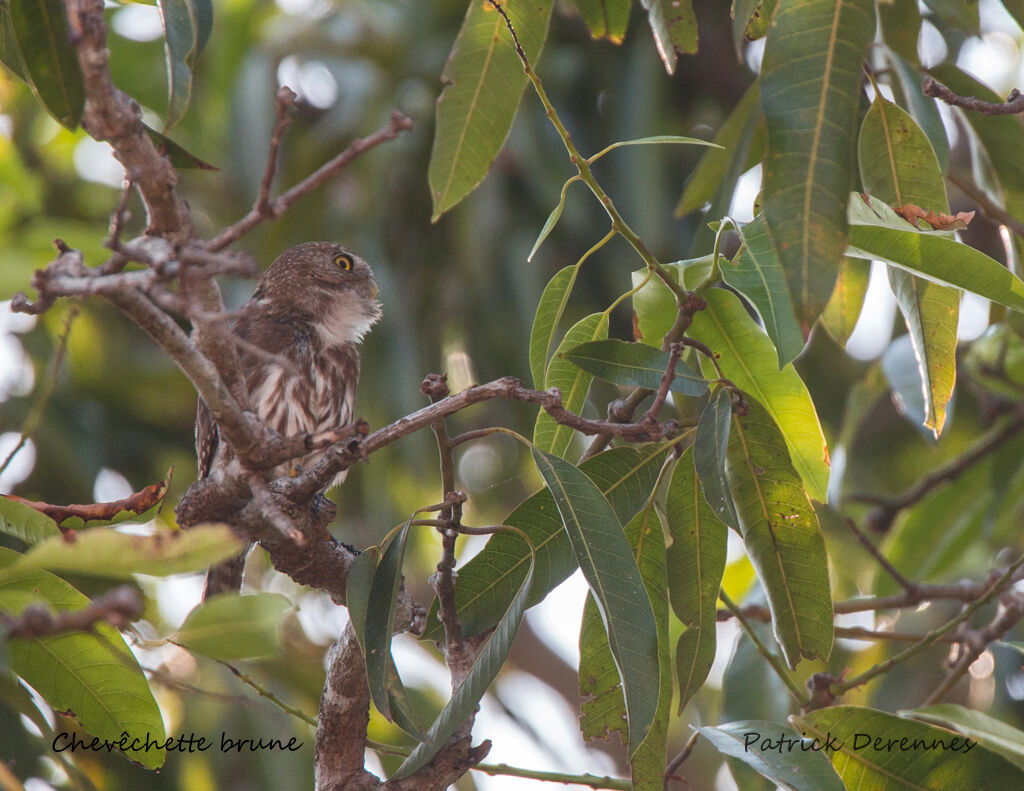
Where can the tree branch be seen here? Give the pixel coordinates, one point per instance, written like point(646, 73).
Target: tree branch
point(1013, 105)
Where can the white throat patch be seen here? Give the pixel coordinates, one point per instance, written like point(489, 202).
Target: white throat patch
point(345, 322)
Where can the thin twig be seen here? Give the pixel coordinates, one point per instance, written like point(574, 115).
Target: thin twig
point(677, 761)
point(987, 206)
point(279, 205)
point(1013, 105)
point(49, 383)
point(285, 99)
point(118, 607)
point(882, 560)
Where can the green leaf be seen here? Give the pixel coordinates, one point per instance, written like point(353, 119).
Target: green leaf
point(178, 156)
point(10, 54)
point(843, 308)
point(810, 93)
point(994, 734)
point(901, 27)
point(908, 173)
point(1001, 135)
point(92, 675)
point(468, 694)
point(604, 712)
point(655, 305)
point(757, 273)
point(751, 19)
point(907, 90)
point(483, 83)
point(747, 358)
point(674, 27)
point(231, 626)
point(545, 321)
point(25, 522)
point(781, 533)
point(696, 563)
point(108, 553)
point(723, 165)
point(634, 364)
point(709, 450)
point(777, 752)
point(489, 580)
point(49, 57)
point(380, 615)
point(573, 381)
point(957, 14)
point(551, 221)
point(604, 556)
point(187, 26)
point(606, 18)
point(877, 232)
point(653, 140)
point(873, 749)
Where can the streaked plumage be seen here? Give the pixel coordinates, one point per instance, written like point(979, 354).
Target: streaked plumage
point(312, 307)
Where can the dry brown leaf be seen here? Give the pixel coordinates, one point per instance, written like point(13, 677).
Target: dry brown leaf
point(939, 222)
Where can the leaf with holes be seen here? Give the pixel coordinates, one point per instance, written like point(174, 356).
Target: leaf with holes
point(810, 93)
point(781, 533)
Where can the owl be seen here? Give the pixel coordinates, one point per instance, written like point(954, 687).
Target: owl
point(312, 307)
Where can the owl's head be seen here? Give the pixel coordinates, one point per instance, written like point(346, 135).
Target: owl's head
point(328, 281)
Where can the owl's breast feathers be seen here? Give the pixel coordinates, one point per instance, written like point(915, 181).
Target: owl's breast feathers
point(316, 393)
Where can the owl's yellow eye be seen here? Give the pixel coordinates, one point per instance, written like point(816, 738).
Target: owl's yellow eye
point(343, 261)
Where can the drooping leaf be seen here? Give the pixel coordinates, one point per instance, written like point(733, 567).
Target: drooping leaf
point(709, 450)
point(777, 752)
point(1002, 136)
point(724, 165)
point(901, 26)
point(747, 358)
point(810, 90)
point(674, 27)
point(957, 15)
point(573, 381)
point(466, 697)
point(551, 221)
point(604, 712)
point(49, 57)
point(187, 25)
point(843, 308)
point(603, 554)
point(545, 321)
point(231, 626)
point(781, 533)
point(179, 157)
point(483, 83)
point(634, 364)
point(877, 232)
point(983, 728)
point(10, 54)
point(605, 18)
point(898, 165)
point(380, 617)
point(108, 553)
point(696, 563)
point(25, 522)
point(874, 749)
point(757, 273)
point(93, 675)
point(489, 580)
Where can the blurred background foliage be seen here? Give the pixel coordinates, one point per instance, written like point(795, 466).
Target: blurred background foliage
point(459, 298)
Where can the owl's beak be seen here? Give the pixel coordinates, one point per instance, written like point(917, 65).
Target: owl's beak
point(373, 289)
